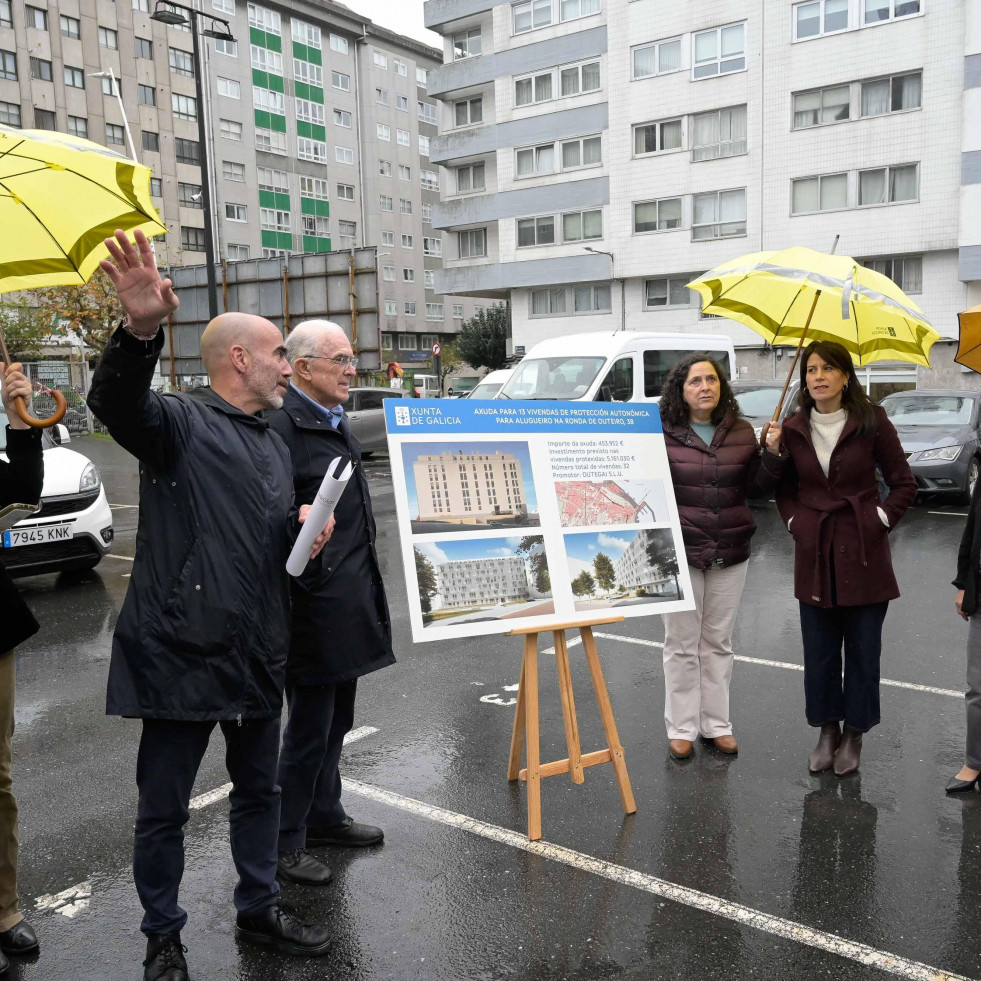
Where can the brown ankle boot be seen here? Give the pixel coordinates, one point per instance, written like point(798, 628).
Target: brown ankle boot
point(849, 753)
point(823, 755)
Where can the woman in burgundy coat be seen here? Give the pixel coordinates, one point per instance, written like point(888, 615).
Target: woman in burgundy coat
point(715, 465)
point(843, 578)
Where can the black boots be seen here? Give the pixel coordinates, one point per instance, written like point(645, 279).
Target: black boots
point(165, 958)
point(823, 755)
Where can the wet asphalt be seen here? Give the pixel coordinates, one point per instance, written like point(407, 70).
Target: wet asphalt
point(883, 858)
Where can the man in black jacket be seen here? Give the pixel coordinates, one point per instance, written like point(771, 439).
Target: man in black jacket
point(20, 483)
point(203, 633)
point(341, 627)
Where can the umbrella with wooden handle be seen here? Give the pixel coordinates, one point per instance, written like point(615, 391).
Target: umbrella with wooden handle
point(61, 404)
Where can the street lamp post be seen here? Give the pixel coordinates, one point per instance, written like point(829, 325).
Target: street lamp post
point(176, 15)
point(613, 279)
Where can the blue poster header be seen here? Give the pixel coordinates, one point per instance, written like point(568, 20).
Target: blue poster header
point(442, 416)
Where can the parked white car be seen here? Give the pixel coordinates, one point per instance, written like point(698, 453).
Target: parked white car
point(73, 528)
point(490, 384)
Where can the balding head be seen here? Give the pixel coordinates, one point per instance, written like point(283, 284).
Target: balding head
point(312, 349)
point(228, 330)
point(307, 339)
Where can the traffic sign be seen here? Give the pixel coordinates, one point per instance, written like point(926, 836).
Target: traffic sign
point(436, 348)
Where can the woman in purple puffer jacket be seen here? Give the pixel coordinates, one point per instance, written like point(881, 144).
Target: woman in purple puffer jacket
point(716, 464)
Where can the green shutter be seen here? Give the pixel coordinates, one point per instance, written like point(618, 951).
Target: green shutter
point(318, 132)
point(262, 119)
point(282, 201)
point(277, 122)
point(268, 200)
point(304, 129)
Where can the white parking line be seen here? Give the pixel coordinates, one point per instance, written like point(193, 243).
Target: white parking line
point(953, 514)
point(135, 506)
point(713, 905)
point(123, 558)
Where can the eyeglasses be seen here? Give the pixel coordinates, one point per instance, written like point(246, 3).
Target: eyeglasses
point(342, 360)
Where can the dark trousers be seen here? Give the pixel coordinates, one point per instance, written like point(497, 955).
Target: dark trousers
point(169, 757)
point(320, 717)
point(827, 698)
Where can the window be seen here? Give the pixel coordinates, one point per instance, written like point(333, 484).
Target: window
point(277, 181)
point(41, 69)
point(345, 192)
point(591, 299)
point(380, 59)
point(405, 206)
point(658, 58)
point(432, 246)
point(824, 193)
point(382, 97)
point(571, 9)
point(184, 106)
point(342, 118)
point(405, 173)
point(232, 171)
point(410, 311)
point(430, 180)
point(383, 132)
point(400, 67)
point(269, 100)
point(580, 79)
point(274, 253)
point(192, 239)
point(110, 86)
point(338, 44)
point(236, 253)
point(146, 95)
point(466, 44)
point(270, 140)
point(535, 160)
point(35, 17)
point(408, 342)
point(427, 112)
point(820, 17)
point(877, 11)
point(229, 87)
point(423, 146)
point(429, 277)
point(667, 292)
point(225, 6)
point(78, 126)
point(888, 185)
point(227, 47)
point(8, 65)
point(896, 94)
point(407, 241)
point(536, 231)
point(114, 134)
point(458, 311)
point(657, 216)
point(657, 137)
point(385, 202)
point(408, 274)
point(344, 155)
point(181, 62)
point(468, 112)
point(536, 88)
point(311, 74)
point(718, 214)
point(274, 220)
point(402, 137)
point(478, 309)
point(190, 195)
point(427, 213)
point(546, 303)
point(10, 114)
point(309, 149)
point(265, 20)
point(45, 119)
point(108, 38)
point(74, 78)
point(142, 5)
point(472, 243)
point(721, 50)
point(304, 33)
point(151, 141)
point(347, 229)
point(310, 112)
point(434, 311)
point(265, 60)
point(315, 225)
point(230, 129)
point(905, 271)
point(70, 26)
point(388, 274)
point(385, 168)
point(578, 226)
point(402, 103)
point(391, 310)
point(156, 187)
point(718, 134)
point(830, 105)
point(313, 187)
point(388, 238)
point(189, 152)
point(470, 178)
point(529, 14)
point(340, 81)
point(5, 15)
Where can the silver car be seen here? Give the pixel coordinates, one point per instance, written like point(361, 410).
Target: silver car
point(366, 414)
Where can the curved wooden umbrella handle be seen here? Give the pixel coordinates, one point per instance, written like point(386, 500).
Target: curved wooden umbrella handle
point(61, 406)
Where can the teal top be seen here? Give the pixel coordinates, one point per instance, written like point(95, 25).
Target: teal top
point(705, 431)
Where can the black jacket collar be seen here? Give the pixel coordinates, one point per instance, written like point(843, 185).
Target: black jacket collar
point(206, 395)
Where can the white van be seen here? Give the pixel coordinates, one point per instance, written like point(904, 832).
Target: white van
point(491, 384)
point(628, 366)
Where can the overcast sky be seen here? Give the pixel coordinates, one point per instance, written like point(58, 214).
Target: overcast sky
point(404, 17)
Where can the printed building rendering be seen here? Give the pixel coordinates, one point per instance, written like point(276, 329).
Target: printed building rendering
point(482, 582)
point(469, 486)
point(634, 569)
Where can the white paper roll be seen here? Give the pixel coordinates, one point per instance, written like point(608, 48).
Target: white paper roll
point(321, 508)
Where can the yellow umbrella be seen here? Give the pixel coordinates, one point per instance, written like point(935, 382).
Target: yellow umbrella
point(969, 345)
point(798, 294)
point(60, 197)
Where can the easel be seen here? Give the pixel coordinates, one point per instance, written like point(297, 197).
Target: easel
point(525, 734)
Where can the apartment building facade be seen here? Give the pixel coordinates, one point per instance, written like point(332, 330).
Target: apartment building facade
point(635, 570)
point(481, 582)
point(319, 133)
point(469, 485)
point(600, 153)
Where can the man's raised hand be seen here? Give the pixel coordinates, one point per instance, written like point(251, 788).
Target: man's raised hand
point(146, 298)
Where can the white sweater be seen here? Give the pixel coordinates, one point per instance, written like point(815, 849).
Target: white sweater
point(826, 429)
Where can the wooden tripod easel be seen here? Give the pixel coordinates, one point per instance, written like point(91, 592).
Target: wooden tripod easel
point(525, 735)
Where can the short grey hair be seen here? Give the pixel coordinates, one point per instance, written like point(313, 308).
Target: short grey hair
point(304, 339)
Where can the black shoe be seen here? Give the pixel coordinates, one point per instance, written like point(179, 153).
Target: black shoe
point(347, 834)
point(955, 786)
point(280, 927)
point(165, 958)
point(300, 866)
point(19, 939)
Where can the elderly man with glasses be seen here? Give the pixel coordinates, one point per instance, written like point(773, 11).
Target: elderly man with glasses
point(340, 626)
